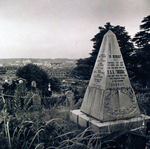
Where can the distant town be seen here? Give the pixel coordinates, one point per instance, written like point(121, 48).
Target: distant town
point(51, 63)
point(59, 68)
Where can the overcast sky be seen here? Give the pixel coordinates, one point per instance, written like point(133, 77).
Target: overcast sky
point(62, 28)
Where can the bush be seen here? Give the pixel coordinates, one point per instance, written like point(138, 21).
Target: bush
point(31, 73)
point(55, 84)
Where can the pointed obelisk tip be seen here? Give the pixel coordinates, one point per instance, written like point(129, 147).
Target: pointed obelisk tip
point(109, 32)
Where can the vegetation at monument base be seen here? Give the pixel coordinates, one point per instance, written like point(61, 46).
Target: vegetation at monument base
point(50, 127)
point(136, 58)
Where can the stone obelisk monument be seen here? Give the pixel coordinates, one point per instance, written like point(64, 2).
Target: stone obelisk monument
point(109, 97)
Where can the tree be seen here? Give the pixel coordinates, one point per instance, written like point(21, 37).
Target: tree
point(142, 38)
point(142, 64)
point(55, 84)
point(83, 69)
point(32, 72)
point(124, 41)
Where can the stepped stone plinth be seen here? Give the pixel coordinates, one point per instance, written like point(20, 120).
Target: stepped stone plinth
point(109, 99)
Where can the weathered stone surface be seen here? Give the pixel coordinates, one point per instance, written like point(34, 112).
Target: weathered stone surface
point(69, 98)
point(109, 95)
point(36, 102)
point(110, 126)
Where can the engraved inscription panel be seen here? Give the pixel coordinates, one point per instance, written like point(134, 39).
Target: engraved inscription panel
point(116, 72)
point(99, 72)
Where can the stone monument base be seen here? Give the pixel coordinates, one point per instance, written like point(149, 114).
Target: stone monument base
point(108, 127)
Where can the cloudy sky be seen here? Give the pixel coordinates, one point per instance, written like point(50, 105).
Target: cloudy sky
point(62, 28)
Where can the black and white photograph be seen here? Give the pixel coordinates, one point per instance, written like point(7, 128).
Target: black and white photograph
point(74, 74)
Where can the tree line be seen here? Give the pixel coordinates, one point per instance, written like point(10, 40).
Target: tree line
point(135, 52)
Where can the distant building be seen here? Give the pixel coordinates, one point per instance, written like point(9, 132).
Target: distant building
point(25, 62)
point(3, 70)
point(59, 73)
point(57, 65)
point(47, 64)
point(38, 64)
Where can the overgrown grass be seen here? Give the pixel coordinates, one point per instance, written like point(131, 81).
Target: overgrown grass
point(144, 102)
point(36, 129)
point(51, 128)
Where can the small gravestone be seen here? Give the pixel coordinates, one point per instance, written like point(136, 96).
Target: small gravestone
point(69, 98)
point(33, 84)
point(20, 81)
point(36, 102)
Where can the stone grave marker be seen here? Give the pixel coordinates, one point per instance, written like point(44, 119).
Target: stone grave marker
point(36, 102)
point(69, 98)
point(33, 84)
point(109, 97)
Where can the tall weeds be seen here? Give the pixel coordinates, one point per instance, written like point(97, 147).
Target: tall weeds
point(51, 128)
